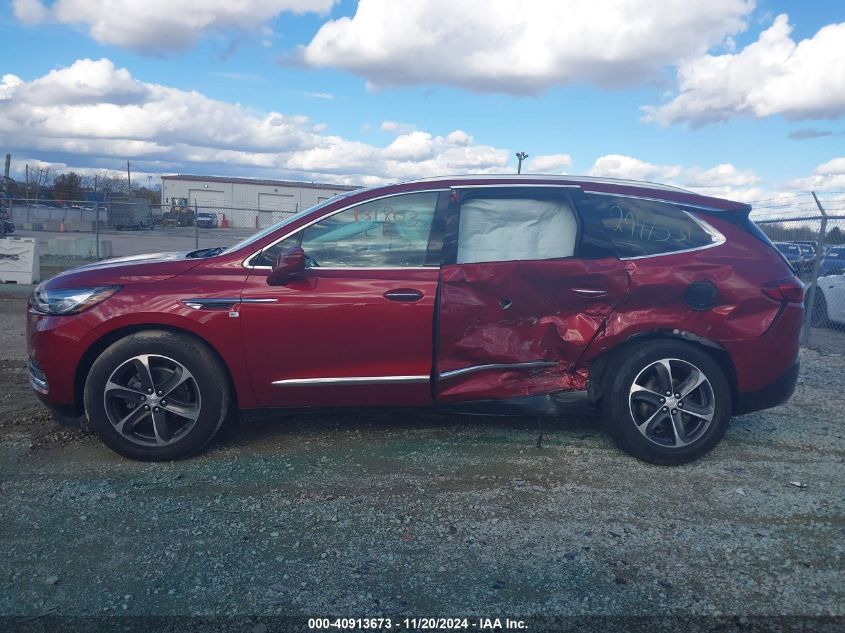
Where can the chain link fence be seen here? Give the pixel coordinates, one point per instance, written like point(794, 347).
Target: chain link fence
point(809, 230)
point(77, 231)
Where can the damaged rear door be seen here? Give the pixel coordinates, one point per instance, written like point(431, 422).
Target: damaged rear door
point(522, 293)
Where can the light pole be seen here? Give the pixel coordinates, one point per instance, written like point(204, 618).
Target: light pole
point(521, 156)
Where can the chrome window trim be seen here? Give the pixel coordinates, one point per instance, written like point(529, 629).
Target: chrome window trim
point(535, 364)
point(718, 238)
point(576, 179)
point(653, 199)
point(351, 380)
point(432, 267)
point(245, 262)
point(517, 185)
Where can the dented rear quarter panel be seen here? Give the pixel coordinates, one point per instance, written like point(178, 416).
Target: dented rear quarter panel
point(742, 320)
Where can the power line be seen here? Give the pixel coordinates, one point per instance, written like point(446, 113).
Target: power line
point(142, 169)
point(779, 206)
point(796, 195)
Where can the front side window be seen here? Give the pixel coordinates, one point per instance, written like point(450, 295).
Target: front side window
point(638, 228)
point(389, 232)
point(519, 226)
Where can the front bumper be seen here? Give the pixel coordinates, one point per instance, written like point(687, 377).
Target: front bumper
point(37, 378)
point(63, 414)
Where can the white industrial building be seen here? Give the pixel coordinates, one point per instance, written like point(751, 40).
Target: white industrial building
point(245, 202)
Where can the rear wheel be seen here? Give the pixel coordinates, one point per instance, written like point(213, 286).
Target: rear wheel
point(666, 402)
point(156, 396)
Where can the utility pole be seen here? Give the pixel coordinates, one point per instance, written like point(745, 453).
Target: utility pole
point(5, 196)
point(129, 177)
point(521, 156)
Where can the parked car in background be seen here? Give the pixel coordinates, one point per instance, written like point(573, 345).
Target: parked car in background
point(8, 227)
point(792, 253)
point(834, 259)
point(206, 220)
point(829, 302)
point(808, 257)
point(811, 243)
point(671, 310)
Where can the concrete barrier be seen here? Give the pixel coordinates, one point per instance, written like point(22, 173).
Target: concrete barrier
point(83, 247)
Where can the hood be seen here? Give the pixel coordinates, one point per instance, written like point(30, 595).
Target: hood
point(133, 269)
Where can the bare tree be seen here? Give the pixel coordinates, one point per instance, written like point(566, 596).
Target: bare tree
point(40, 178)
point(110, 183)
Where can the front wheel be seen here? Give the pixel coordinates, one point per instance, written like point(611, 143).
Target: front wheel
point(666, 402)
point(156, 396)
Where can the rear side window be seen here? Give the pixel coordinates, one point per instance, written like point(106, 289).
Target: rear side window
point(638, 228)
point(514, 225)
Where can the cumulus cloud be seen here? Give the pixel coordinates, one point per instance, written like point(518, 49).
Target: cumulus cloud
point(774, 75)
point(804, 134)
point(157, 26)
point(721, 181)
point(92, 114)
point(826, 177)
point(29, 11)
point(395, 127)
point(549, 164)
point(87, 81)
point(521, 47)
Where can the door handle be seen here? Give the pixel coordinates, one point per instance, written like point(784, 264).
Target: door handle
point(589, 292)
point(404, 295)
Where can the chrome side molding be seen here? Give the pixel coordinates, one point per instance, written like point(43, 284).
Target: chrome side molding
point(589, 292)
point(350, 380)
point(220, 303)
point(463, 371)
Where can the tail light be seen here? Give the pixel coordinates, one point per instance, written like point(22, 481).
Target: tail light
point(785, 291)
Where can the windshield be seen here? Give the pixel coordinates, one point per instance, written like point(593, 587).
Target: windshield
point(788, 249)
point(273, 227)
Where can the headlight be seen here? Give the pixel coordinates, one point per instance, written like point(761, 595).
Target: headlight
point(69, 301)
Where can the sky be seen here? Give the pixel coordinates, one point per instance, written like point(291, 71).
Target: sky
point(741, 99)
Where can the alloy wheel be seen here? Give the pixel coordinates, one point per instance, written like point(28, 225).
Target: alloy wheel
point(672, 403)
point(152, 400)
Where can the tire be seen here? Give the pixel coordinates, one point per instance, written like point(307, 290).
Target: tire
point(819, 315)
point(129, 415)
point(635, 383)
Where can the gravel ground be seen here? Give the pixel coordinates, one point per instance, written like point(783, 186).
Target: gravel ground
point(409, 514)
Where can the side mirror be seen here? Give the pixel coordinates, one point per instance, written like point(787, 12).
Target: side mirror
point(289, 264)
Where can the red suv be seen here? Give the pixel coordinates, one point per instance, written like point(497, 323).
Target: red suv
point(671, 310)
